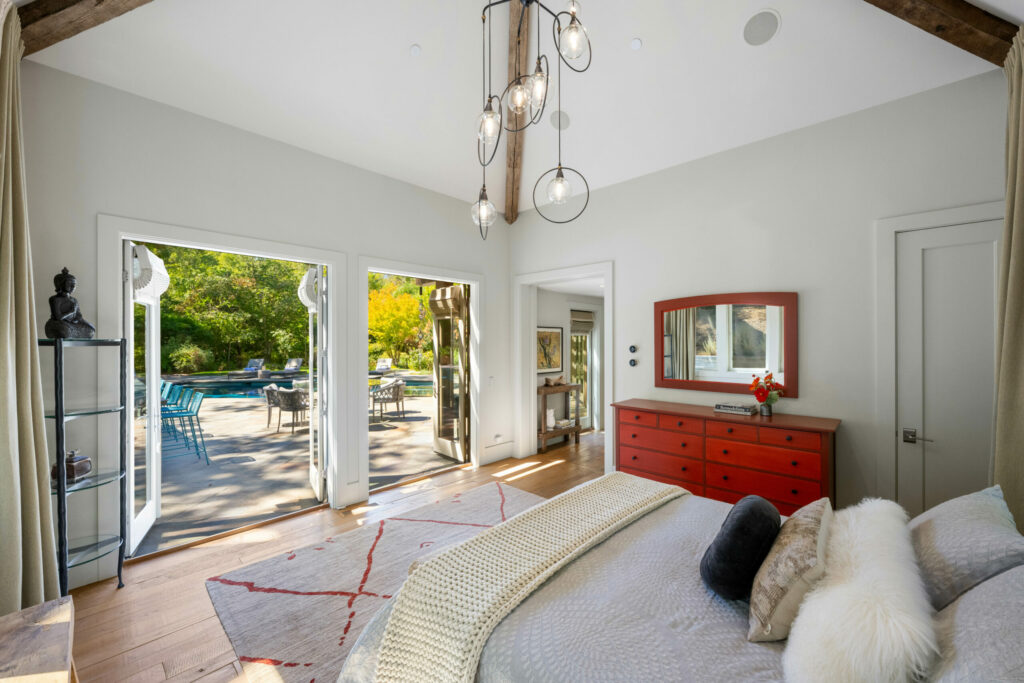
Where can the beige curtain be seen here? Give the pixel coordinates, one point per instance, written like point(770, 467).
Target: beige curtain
point(680, 343)
point(28, 562)
point(1008, 466)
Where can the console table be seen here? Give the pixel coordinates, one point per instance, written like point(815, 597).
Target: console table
point(788, 459)
point(544, 432)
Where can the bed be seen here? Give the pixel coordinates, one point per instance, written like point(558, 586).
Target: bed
point(632, 608)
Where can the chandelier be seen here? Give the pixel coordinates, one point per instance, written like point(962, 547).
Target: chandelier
point(521, 104)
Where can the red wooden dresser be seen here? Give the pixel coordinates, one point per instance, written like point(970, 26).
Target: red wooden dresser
point(788, 459)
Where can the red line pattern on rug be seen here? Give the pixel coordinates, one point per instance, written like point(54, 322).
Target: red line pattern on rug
point(360, 591)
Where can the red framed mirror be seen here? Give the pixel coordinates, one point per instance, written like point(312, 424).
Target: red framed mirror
point(718, 341)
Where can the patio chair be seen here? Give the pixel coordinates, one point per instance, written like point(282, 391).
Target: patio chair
point(292, 401)
point(252, 368)
point(270, 394)
point(383, 367)
point(293, 365)
point(190, 413)
point(392, 392)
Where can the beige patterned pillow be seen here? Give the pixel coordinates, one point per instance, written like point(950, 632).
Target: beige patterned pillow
point(794, 564)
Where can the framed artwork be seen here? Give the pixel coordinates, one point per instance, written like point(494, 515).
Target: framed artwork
point(549, 349)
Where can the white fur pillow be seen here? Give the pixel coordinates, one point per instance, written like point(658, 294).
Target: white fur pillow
point(869, 618)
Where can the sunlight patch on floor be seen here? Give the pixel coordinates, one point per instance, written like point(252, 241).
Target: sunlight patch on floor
point(515, 468)
point(535, 470)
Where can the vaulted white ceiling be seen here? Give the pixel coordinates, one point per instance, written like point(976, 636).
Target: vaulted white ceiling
point(337, 77)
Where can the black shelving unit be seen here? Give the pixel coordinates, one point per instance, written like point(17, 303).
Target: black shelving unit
point(79, 551)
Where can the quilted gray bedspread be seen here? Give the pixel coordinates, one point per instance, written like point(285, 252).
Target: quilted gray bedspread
point(632, 608)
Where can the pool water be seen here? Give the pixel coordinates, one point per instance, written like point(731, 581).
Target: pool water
point(235, 388)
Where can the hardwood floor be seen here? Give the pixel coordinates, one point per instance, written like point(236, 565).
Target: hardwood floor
point(162, 626)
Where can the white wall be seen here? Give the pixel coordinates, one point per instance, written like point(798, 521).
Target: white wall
point(553, 310)
point(91, 149)
point(792, 213)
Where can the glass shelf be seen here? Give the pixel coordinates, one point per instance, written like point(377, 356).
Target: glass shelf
point(76, 413)
point(90, 481)
point(81, 342)
point(90, 548)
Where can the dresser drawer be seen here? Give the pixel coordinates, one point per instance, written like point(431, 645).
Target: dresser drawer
point(781, 460)
point(674, 466)
point(732, 431)
point(635, 417)
point(662, 440)
point(771, 486)
point(724, 495)
point(791, 438)
point(695, 489)
point(690, 425)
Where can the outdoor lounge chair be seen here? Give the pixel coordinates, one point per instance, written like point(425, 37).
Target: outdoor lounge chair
point(383, 367)
point(391, 392)
point(294, 402)
point(251, 369)
point(292, 367)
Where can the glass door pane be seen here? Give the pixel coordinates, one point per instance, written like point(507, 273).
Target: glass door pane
point(141, 473)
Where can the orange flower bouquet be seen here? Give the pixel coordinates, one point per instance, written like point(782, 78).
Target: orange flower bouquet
point(767, 392)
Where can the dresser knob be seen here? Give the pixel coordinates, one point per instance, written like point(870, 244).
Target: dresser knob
point(679, 424)
point(633, 435)
point(725, 452)
point(683, 469)
point(725, 477)
point(794, 491)
point(793, 463)
point(789, 437)
point(636, 417)
point(683, 444)
point(635, 457)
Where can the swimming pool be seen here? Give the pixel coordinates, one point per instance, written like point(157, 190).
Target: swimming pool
point(228, 388)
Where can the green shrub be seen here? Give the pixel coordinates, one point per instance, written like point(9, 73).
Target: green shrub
point(188, 358)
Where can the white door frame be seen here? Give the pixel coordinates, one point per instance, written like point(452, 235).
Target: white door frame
point(524, 357)
point(112, 230)
point(361, 348)
point(886, 230)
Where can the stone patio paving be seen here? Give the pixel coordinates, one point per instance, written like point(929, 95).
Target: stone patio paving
point(256, 473)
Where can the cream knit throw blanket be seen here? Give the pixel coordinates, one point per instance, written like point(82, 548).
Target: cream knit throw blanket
point(447, 608)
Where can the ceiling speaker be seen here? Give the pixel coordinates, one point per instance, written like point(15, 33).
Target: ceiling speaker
point(559, 119)
point(761, 27)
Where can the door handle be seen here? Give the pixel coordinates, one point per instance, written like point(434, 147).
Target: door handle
point(910, 436)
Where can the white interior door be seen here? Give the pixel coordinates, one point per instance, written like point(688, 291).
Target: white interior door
point(144, 476)
point(946, 283)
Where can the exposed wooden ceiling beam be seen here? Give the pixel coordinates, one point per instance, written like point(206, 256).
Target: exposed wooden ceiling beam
point(46, 22)
point(958, 22)
point(514, 153)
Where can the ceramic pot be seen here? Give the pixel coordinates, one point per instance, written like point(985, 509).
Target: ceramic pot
point(766, 410)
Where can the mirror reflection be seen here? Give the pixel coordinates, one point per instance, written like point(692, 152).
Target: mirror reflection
point(724, 343)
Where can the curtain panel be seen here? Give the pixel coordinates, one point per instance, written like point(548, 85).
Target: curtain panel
point(28, 561)
point(680, 343)
point(1008, 463)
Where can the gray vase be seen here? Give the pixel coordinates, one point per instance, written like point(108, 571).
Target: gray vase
point(766, 410)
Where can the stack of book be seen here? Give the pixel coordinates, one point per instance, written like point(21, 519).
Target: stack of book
point(736, 408)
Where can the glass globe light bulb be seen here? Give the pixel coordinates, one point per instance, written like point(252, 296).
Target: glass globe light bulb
point(482, 211)
point(559, 189)
point(573, 40)
point(538, 85)
point(489, 125)
point(518, 98)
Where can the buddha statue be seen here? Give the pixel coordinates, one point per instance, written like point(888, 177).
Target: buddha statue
point(66, 321)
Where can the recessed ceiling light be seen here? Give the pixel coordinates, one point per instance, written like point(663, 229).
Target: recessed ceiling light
point(636, 44)
point(415, 50)
point(762, 27)
point(559, 119)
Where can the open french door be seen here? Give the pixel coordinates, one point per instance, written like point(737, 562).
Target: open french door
point(316, 278)
point(144, 427)
point(449, 307)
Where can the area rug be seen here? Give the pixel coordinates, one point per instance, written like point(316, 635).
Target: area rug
point(295, 617)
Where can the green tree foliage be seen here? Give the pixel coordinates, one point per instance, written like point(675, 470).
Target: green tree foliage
point(222, 309)
point(400, 322)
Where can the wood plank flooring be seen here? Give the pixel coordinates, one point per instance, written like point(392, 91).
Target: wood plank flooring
point(162, 627)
